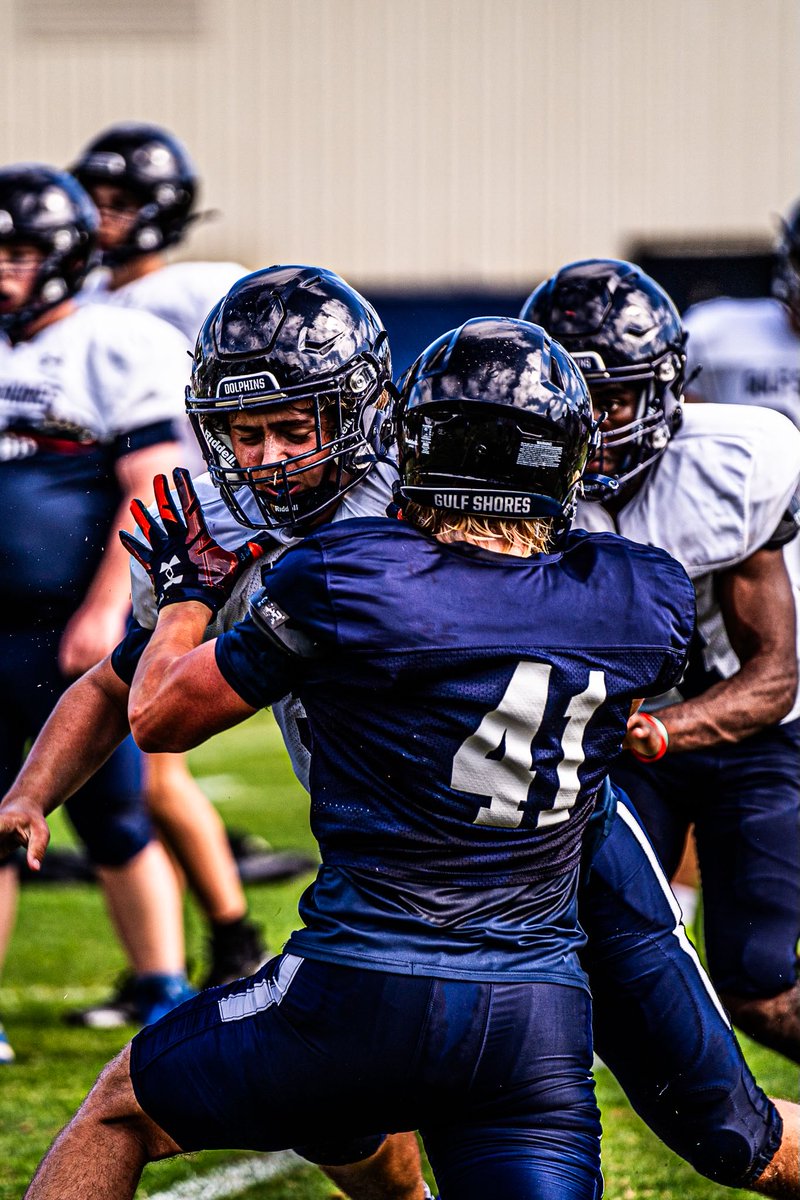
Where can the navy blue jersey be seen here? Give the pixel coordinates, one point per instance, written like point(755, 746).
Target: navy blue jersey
point(464, 707)
point(58, 502)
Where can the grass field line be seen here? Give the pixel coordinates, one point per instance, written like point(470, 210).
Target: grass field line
point(42, 993)
point(234, 1178)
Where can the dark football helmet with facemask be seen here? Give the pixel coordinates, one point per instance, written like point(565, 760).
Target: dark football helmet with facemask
point(786, 279)
point(620, 327)
point(494, 420)
point(46, 208)
point(155, 168)
point(299, 336)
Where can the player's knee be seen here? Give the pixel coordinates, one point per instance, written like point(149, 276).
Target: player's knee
point(116, 839)
point(112, 1101)
point(729, 1143)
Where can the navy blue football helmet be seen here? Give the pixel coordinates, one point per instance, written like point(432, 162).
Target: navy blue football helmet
point(620, 327)
point(291, 335)
point(494, 420)
point(786, 279)
point(155, 168)
point(50, 210)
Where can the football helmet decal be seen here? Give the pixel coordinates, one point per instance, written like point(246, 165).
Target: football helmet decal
point(48, 209)
point(155, 168)
point(494, 420)
point(620, 327)
point(299, 337)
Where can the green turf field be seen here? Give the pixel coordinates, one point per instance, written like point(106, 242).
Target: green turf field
point(64, 955)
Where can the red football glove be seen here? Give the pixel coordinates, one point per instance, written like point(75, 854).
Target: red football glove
point(182, 559)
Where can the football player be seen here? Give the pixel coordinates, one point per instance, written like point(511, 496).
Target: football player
point(716, 487)
point(672, 1046)
point(87, 406)
point(145, 185)
point(450, 828)
point(749, 350)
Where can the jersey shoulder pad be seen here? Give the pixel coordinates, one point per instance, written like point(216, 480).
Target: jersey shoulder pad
point(720, 489)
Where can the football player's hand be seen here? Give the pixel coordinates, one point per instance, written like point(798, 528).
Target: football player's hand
point(22, 823)
point(647, 738)
point(182, 559)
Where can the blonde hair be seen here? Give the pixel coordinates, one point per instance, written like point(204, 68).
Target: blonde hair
point(532, 536)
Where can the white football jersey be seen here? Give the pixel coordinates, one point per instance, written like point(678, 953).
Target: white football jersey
point(181, 293)
point(369, 498)
point(715, 497)
point(749, 354)
point(90, 377)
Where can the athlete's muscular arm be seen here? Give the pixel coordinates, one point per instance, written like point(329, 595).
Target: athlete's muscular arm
point(758, 610)
point(179, 697)
point(86, 726)
point(98, 624)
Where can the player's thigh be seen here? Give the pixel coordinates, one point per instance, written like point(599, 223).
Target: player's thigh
point(658, 1023)
point(302, 1052)
point(523, 1121)
point(749, 852)
point(662, 797)
point(471, 1163)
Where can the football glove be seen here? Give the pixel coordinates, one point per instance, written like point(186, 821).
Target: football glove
point(182, 559)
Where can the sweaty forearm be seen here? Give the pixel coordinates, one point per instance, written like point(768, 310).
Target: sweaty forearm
point(756, 696)
point(161, 690)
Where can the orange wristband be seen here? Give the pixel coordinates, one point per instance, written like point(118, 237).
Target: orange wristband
point(661, 730)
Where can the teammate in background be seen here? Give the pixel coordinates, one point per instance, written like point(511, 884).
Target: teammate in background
point(716, 487)
point(658, 1024)
point(145, 186)
point(404, 998)
point(88, 406)
point(749, 350)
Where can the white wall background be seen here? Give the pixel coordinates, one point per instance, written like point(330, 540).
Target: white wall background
point(443, 142)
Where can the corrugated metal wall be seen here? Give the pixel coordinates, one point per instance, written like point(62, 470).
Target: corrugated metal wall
point(434, 141)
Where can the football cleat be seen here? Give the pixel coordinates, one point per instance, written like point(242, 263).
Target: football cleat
point(137, 1000)
point(7, 1054)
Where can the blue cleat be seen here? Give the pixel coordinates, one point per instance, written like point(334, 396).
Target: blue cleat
point(137, 1000)
point(7, 1054)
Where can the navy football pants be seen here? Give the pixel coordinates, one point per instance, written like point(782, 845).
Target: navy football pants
point(108, 812)
point(744, 800)
point(658, 1024)
point(497, 1076)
